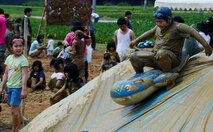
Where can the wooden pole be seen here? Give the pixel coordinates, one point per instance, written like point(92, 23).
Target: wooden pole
point(25, 35)
point(45, 25)
point(42, 18)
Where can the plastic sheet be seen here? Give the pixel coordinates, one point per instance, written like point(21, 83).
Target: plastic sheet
point(186, 107)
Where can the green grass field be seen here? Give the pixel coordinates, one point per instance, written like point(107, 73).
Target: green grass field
point(141, 21)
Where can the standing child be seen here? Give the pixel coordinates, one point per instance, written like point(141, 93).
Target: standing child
point(50, 45)
point(37, 77)
point(78, 48)
point(111, 48)
point(123, 36)
point(58, 49)
point(15, 76)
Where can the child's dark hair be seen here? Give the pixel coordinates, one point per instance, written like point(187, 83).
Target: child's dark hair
point(39, 37)
point(128, 13)
point(59, 43)
point(16, 39)
point(79, 34)
point(50, 36)
point(72, 71)
point(39, 64)
point(26, 10)
point(178, 19)
point(6, 15)
point(111, 44)
point(57, 63)
point(1, 11)
point(18, 20)
point(1, 70)
point(106, 56)
point(121, 21)
point(203, 27)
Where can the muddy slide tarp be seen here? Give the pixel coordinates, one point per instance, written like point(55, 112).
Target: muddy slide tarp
point(187, 107)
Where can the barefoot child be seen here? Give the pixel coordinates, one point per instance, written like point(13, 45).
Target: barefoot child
point(15, 76)
point(107, 62)
point(72, 83)
point(111, 48)
point(37, 76)
point(57, 78)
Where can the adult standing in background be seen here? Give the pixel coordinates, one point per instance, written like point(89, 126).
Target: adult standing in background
point(3, 29)
point(27, 14)
point(92, 34)
point(128, 16)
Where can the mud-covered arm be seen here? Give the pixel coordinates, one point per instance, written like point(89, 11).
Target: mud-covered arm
point(188, 30)
point(147, 35)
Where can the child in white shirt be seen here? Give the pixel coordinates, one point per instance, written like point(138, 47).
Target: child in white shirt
point(50, 45)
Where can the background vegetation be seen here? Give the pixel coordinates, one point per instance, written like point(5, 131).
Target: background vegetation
point(142, 20)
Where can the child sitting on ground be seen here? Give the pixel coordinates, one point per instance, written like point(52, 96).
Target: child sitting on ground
point(73, 83)
point(37, 76)
point(107, 62)
point(65, 53)
point(57, 78)
point(58, 49)
point(203, 31)
point(111, 48)
point(37, 48)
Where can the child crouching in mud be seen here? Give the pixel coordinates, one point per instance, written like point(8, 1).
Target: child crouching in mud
point(72, 83)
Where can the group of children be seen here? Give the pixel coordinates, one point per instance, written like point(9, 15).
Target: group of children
point(69, 61)
point(66, 79)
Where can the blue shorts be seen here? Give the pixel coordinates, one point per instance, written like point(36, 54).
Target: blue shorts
point(14, 96)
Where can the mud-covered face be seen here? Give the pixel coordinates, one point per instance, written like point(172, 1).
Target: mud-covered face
point(111, 49)
point(162, 24)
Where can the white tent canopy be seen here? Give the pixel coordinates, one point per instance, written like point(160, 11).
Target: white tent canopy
point(185, 4)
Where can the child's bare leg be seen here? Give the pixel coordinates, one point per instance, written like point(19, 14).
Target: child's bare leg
point(33, 83)
point(52, 83)
point(16, 119)
point(21, 120)
point(58, 96)
point(41, 53)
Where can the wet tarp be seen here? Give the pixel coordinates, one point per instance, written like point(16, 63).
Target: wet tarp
point(186, 107)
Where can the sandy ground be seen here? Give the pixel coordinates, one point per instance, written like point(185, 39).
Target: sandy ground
point(38, 101)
